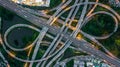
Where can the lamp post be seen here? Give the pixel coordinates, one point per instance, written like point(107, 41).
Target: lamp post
point(0, 23)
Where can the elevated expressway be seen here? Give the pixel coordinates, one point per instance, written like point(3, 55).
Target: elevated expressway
point(39, 22)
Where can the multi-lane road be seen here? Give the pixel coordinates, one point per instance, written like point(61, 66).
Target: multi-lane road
point(42, 23)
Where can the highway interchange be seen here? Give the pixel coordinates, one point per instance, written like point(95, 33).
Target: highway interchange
point(61, 33)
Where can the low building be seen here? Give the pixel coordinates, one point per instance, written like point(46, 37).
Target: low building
point(45, 3)
point(81, 64)
point(105, 65)
point(90, 64)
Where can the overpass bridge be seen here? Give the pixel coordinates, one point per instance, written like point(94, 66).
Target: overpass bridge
point(58, 32)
